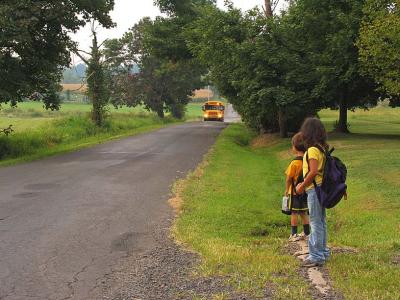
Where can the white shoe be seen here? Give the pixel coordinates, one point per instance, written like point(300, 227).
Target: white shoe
point(294, 238)
point(302, 236)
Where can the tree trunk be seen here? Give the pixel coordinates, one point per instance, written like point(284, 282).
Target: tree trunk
point(160, 113)
point(95, 82)
point(177, 111)
point(268, 8)
point(342, 124)
point(282, 120)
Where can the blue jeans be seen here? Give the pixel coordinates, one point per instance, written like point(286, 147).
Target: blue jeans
point(317, 242)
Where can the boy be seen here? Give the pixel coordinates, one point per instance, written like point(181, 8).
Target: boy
point(298, 203)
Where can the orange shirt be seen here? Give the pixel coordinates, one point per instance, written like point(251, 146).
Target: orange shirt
point(293, 172)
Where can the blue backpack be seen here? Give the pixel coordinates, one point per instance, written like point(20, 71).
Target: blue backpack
point(333, 186)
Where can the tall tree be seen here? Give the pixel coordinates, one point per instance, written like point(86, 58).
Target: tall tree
point(168, 72)
point(33, 44)
point(330, 30)
point(97, 85)
point(282, 117)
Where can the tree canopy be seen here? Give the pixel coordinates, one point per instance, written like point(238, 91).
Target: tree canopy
point(34, 44)
point(379, 43)
point(330, 30)
point(169, 72)
point(277, 70)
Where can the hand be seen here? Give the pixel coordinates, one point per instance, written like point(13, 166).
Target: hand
point(300, 189)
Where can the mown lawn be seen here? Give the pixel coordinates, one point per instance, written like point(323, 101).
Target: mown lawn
point(231, 211)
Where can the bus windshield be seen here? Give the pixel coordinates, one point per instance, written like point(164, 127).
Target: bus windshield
point(213, 107)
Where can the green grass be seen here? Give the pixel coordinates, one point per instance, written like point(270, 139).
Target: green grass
point(39, 133)
point(72, 133)
point(231, 212)
point(31, 115)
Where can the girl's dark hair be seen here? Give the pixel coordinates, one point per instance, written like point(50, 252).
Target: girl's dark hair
point(298, 142)
point(314, 133)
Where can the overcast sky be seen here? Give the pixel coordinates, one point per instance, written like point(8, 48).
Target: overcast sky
point(128, 12)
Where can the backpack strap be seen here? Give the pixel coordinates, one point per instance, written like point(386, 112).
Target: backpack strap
point(320, 148)
point(297, 158)
point(293, 188)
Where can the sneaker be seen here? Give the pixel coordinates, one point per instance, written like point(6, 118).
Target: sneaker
point(294, 238)
point(310, 264)
point(302, 236)
point(301, 253)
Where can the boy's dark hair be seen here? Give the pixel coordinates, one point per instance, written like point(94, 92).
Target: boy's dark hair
point(298, 142)
point(314, 133)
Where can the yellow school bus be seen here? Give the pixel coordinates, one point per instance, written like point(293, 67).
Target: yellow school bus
point(213, 111)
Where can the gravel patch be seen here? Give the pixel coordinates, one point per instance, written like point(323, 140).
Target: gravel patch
point(166, 272)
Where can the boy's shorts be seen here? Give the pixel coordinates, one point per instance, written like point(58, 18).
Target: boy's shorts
point(298, 204)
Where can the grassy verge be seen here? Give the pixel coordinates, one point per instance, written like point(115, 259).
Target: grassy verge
point(231, 212)
point(39, 133)
point(31, 115)
point(72, 133)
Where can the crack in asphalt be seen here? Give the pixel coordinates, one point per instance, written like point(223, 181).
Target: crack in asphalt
point(75, 280)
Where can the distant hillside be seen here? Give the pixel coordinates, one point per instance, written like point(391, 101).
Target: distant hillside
point(75, 74)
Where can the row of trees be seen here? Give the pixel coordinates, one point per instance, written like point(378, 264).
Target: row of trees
point(35, 48)
point(275, 69)
point(278, 69)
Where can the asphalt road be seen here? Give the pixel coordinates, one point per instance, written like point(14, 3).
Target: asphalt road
point(68, 221)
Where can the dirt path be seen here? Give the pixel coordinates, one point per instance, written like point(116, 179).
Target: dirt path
point(231, 116)
point(318, 277)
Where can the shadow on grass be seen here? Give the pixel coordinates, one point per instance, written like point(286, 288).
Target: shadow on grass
point(267, 228)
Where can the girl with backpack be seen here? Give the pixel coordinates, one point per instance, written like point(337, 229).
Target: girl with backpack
point(315, 140)
point(297, 203)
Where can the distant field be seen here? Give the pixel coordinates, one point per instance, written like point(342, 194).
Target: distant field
point(203, 93)
point(74, 87)
point(31, 115)
point(379, 120)
point(79, 88)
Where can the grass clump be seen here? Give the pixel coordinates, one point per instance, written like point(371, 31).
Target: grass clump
point(231, 213)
